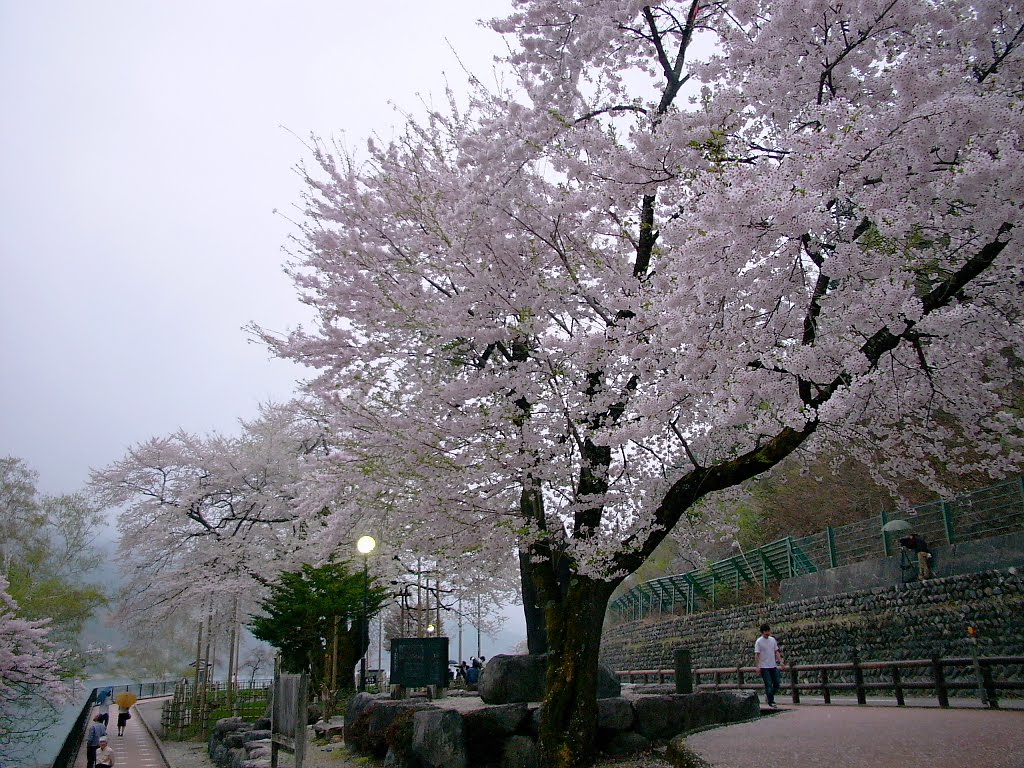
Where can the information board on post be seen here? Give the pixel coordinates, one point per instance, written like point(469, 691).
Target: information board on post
point(418, 662)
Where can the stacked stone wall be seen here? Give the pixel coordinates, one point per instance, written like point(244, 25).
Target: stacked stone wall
point(905, 621)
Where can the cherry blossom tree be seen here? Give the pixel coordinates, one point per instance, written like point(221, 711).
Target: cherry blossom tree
point(688, 240)
point(209, 517)
point(31, 674)
point(47, 553)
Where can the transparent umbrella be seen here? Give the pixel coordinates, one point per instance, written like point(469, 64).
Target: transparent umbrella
point(896, 526)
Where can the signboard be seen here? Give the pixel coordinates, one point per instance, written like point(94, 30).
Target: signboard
point(417, 662)
point(288, 717)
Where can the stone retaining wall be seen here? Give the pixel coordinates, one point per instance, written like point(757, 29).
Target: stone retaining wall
point(911, 621)
point(421, 734)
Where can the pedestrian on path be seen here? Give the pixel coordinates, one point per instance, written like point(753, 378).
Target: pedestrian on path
point(96, 732)
point(768, 659)
point(103, 699)
point(124, 703)
point(104, 755)
point(123, 716)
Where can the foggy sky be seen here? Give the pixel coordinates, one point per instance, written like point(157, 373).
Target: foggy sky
point(143, 149)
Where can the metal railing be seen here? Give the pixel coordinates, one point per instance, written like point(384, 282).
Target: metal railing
point(73, 741)
point(151, 690)
point(985, 675)
point(992, 511)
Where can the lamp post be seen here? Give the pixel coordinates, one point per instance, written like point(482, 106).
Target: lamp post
point(365, 545)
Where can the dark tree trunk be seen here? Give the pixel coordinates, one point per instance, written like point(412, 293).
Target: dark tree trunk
point(533, 610)
point(568, 728)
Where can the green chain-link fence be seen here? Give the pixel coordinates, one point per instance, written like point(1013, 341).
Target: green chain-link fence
point(991, 511)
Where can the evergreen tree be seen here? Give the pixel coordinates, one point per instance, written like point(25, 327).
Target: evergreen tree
point(315, 618)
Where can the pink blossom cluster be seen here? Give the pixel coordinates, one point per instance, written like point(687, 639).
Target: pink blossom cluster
point(30, 664)
point(683, 241)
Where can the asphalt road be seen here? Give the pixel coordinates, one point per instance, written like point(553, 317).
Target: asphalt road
point(868, 737)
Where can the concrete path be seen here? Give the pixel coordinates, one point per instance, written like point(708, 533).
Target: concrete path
point(868, 737)
point(137, 748)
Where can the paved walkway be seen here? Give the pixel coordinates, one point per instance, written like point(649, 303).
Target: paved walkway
point(838, 736)
point(137, 748)
point(808, 735)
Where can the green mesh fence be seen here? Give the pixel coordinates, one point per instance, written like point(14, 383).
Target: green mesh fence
point(992, 511)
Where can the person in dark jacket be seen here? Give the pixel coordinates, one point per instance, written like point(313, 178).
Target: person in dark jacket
point(96, 732)
point(917, 543)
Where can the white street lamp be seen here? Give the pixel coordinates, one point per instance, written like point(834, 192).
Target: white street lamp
point(365, 545)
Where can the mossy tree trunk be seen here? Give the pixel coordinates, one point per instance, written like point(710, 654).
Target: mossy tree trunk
point(568, 729)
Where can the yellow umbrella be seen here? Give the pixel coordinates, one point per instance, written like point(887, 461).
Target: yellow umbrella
point(126, 699)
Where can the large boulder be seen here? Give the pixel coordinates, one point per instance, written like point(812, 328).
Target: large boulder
point(229, 725)
point(356, 706)
point(438, 740)
point(663, 717)
point(380, 724)
point(507, 679)
point(486, 730)
point(615, 714)
point(234, 740)
point(520, 752)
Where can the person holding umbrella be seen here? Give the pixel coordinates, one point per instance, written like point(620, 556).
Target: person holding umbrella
point(124, 703)
point(916, 543)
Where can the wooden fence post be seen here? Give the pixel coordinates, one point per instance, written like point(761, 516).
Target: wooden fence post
point(825, 692)
point(897, 686)
point(858, 679)
point(793, 689)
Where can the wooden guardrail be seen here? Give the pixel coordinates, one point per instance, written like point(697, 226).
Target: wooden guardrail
point(894, 677)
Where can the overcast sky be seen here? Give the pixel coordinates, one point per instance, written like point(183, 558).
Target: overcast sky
point(144, 145)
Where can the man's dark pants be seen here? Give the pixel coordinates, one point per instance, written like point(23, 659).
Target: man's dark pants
point(772, 682)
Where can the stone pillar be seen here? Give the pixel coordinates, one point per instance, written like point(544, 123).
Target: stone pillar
point(684, 673)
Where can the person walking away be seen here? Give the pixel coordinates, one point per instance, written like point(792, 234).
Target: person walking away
point(768, 660)
point(103, 700)
point(96, 732)
point(123, 715)
point(104, 755)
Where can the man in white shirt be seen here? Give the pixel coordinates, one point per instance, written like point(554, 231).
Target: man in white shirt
point(104, 755)
point(768, 660)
